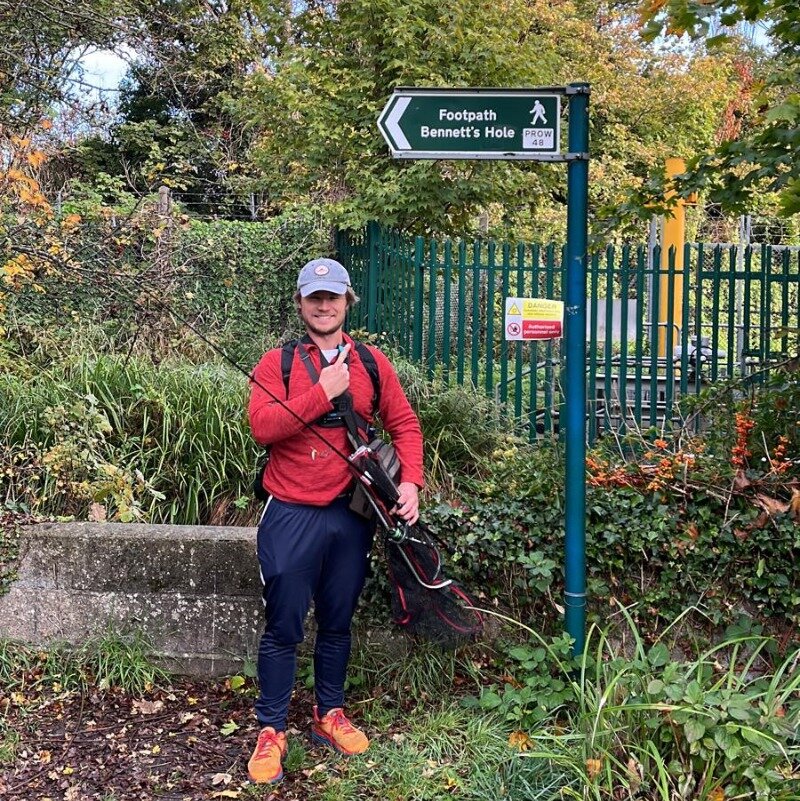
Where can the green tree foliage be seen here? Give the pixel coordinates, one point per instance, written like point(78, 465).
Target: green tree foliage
point(175, 126)
point(315, 108)
point(318, 109)
point(764, 156)
point(648, 104)
point(281, 99)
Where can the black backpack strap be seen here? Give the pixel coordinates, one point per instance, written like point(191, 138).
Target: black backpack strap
point(351, 420)
point(371, 366)
point(287, 357)
point(364, 353)
point(309, 365)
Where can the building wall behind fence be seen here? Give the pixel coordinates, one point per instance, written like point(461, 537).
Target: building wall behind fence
point(441, 303)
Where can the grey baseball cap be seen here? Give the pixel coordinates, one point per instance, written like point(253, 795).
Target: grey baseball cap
point(323, 275)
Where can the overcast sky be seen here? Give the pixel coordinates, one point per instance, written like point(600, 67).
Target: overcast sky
point(104, 69)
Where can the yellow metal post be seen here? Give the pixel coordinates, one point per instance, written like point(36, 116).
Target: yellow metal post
point(673, 236)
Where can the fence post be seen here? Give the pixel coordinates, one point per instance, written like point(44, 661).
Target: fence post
point(163, 200)
point(419, 298)
point(373, 271)
point(745, 230)
point(164, 242)
point(673, 235)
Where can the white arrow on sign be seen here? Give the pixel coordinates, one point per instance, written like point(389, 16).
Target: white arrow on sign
point(393, 123)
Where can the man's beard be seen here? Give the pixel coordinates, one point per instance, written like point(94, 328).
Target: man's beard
point(320, 332)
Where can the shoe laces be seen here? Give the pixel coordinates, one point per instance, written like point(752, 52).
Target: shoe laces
point(267, 740)
point(338, 719)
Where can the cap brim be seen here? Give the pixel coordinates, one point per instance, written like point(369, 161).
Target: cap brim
point(323, 286)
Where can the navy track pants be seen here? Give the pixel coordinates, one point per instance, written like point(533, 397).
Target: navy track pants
point(305, 553)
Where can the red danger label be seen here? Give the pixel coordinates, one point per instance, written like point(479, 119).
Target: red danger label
point(541, 329)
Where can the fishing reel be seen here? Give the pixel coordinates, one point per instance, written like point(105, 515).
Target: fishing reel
point(399, 534)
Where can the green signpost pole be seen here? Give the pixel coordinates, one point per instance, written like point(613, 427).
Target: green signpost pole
point(575, 372)
point(520, 124)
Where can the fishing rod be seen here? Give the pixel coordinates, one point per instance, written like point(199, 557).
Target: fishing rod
point(130, 295)
point(361, 471)
point(398, 530)
point(431, 605)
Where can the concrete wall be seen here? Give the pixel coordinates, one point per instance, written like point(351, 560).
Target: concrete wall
point(193, 591)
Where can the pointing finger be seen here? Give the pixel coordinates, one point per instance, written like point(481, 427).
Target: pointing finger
point(342, 354)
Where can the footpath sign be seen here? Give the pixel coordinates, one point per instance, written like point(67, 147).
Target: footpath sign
point(473, 124)
point(534, 318)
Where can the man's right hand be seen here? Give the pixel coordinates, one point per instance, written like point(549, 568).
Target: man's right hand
point(335, 378)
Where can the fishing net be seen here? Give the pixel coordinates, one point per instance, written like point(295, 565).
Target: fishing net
point(425, 602)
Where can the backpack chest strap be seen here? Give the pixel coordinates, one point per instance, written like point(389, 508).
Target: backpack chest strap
point(343, 413)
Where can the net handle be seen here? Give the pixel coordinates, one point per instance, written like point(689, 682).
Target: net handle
point(438, 586)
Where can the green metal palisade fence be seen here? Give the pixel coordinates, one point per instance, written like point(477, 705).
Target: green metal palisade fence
point(441, 304)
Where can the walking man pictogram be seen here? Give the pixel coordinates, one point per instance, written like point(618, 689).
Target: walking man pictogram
point(538, 113)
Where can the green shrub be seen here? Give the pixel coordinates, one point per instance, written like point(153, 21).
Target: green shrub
point(237, 278)
point(127, 438)
point(668, 523)
point(233, 281)
point(459, 425)
point(638, 721)
point(536, 682)
point(773, 404)
point(647, 551)
point(130, 437)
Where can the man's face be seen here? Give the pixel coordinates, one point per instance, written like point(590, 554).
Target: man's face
point(323, 312)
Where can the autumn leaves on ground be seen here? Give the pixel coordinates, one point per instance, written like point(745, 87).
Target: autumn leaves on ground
point(189, 741)
point(171, 738)
point(109, 745)
point(631, 721)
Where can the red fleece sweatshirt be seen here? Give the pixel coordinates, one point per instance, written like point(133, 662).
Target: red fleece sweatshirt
point(301, 468)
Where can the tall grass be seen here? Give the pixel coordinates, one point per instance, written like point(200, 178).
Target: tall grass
point(409, 668)
point(173, 428)
point(164, 439)
point(110, 659)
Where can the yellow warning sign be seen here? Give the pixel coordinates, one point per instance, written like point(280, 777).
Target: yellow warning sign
point(534, 318)
point(542, 309)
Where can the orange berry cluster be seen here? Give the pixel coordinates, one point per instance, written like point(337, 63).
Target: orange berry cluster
point(601, 474)
point(740, 451)
point(654, 477)
point(779, 460)
point(665, 472)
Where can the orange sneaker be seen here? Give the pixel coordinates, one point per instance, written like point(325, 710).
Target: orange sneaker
point(265, 765)
point(336, 731)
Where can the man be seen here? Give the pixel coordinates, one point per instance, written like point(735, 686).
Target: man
point(311, 546)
